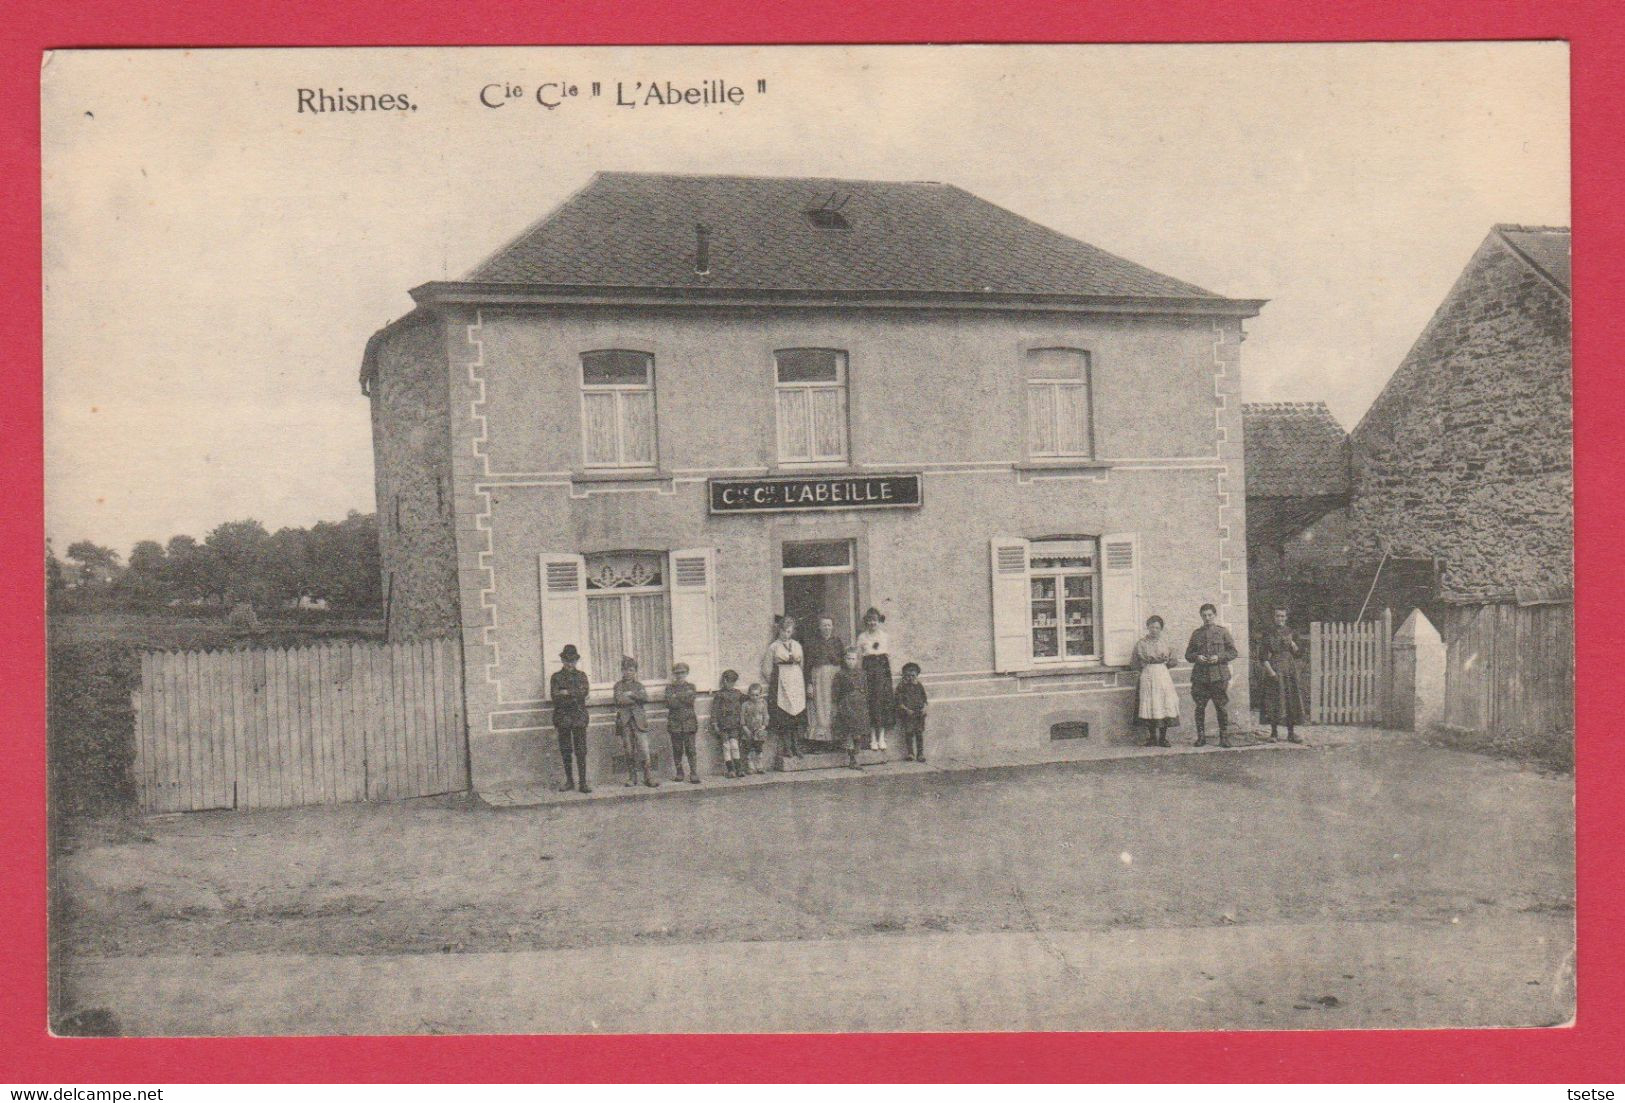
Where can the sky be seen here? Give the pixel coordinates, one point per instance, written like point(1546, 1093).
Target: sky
point(215, 260)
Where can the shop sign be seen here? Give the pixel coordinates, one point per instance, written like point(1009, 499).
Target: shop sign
point(814, 492)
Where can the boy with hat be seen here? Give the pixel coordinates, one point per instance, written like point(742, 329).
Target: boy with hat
point(568, 689)
point(911, 702)
point(632, 723)
point(681, 723)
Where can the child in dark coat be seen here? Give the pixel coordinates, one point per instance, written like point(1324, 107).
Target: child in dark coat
point(727, 723)
point(632, 723)
point(852, 706)
point(911, 702)
point(681, 723)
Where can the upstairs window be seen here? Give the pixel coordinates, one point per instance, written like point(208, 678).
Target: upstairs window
point(811, 404)
point(1060, 408)
point(618, 408)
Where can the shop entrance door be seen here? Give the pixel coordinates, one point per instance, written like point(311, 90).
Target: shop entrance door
point(820, 580)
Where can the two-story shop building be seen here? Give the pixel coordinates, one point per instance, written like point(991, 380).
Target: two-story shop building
point(679, 405)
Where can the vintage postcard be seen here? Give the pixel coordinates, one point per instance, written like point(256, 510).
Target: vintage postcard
point(815, 539)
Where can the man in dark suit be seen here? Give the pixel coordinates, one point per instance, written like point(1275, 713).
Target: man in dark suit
point(568, 690)
point(1210, 653)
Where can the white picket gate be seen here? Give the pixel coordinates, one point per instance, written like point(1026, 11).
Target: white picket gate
point(1350, 671)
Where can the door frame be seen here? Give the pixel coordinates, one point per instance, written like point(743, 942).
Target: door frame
point(855, 533)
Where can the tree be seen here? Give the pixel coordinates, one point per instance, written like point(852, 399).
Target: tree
point(145, 581)
point(238, 555)
point(92, 565)
point(344, 561)
point(56, 578)
point(186, 575)
point(289, 574)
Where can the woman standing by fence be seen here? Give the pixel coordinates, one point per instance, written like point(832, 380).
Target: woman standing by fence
point(1283, 696)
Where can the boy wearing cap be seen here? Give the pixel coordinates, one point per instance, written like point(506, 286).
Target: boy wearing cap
point(726, 722)
point(681, 723)
point(911, 712)
point(632, 723)
point(568, 689)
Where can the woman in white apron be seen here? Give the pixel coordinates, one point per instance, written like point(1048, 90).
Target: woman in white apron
point(1159, 701)
point(786, 680)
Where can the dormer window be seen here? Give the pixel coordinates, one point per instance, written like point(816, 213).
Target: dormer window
point(828, 218)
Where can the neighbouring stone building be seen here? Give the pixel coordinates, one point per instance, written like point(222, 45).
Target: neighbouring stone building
point(679, 405)
point(1298, 482)
point(1466, 459)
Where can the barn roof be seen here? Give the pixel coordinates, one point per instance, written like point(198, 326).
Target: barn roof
point(627, 230)
point(1294, 450)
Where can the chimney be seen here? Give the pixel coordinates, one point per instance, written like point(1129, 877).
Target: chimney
point(702, 249)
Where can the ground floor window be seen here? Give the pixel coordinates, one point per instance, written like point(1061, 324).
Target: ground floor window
point(1062, 598)
point(627, 613)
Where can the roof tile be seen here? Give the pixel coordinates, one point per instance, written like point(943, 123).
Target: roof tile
point(1294, 450)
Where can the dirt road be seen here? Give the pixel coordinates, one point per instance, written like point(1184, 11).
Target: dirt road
point(1394, 846)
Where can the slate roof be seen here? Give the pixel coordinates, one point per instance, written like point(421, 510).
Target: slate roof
point(1294, 450)
point(1545, 248)
point(637, 230)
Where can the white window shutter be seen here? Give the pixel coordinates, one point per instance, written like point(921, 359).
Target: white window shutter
point(564, 610)
point(1120, 596)
point(1012, 628)
point(693, 614)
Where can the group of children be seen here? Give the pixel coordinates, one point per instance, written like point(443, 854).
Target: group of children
point(739, 721)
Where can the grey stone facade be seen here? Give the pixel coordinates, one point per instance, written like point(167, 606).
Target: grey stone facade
point(404, 374)
point(1467, 455)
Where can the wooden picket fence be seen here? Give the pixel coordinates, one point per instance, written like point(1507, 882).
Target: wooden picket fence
point(274, 728)
point(1350, 671)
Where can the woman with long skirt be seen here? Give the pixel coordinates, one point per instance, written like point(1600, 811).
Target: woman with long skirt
point(875, 648)
point(784, 673)
point(1283, 695)
point(825, 655)
point(1159, 701)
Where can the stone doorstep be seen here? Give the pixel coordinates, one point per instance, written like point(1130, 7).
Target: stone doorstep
point(834, 760)
point(832, 767)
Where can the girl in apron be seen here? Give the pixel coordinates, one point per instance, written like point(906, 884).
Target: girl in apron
point(1159, 701)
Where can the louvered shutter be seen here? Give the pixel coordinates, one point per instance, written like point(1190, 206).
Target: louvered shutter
point(1120, 595)
point(1012, 629)
point(564, 610)
point(693, 614)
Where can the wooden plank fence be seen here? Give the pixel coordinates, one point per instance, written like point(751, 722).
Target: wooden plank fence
point(1350, 671)
point(314, 725)
point(1509, 667)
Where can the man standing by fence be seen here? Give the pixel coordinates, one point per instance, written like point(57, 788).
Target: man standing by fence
point(568, 689)
point(1210, 653)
